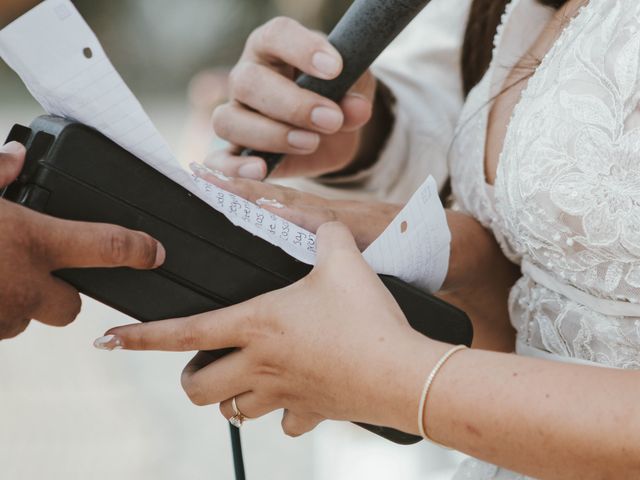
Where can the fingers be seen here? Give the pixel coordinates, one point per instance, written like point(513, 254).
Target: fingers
point(250, 129)
point(295, 425)
point(277, 97)
point(357, 105)
point(59, 305)
point(227, 162)
point(11, 160)
point(253, 190)
point(305, 210)
point(69, 244)
point(283, 40)
point(218, 381)
point(252, 405)
point(208, 331)
point(335, 237)
point(10, 328)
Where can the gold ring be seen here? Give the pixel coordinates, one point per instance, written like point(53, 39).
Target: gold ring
point(238, 417)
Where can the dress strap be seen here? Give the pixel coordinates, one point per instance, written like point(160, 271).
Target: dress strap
point(616, 308)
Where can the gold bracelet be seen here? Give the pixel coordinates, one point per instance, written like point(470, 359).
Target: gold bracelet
point(427, 387)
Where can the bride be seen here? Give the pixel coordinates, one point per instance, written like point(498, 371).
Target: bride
point(544, 159)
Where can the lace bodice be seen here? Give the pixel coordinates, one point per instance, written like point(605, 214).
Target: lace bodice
point(566, 202)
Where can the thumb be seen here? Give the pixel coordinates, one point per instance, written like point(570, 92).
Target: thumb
point(357, 104)
point(335, 237)
point(68, 244)
point(11, 161)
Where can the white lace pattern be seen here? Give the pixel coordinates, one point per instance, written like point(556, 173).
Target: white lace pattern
point(567, 195)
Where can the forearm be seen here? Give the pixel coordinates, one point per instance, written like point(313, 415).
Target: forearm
point(543, 419)
point(479, 281)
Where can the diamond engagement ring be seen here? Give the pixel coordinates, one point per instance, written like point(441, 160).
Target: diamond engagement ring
point(238, 417)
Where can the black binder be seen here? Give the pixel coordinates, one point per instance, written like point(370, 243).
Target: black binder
point(76, 173)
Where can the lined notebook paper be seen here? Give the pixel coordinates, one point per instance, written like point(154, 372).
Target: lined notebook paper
point(63, 65)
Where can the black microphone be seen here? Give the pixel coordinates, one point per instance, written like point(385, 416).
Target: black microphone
point(367, 28)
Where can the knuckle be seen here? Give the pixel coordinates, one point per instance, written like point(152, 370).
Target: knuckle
point(188, 335)
point(301, 113)
point(74, 309)
point(12, 327)
point(274, 29)
point(22, 302)
point(221, 124)
point(116, 246)
point(241, 80)
point(291, 428)
point(193, 390)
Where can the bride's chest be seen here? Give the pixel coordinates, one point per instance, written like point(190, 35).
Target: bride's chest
point(562, 147)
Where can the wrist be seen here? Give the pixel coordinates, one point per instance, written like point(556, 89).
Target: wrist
point(403, 380)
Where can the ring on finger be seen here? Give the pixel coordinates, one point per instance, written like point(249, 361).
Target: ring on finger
point(238, 417)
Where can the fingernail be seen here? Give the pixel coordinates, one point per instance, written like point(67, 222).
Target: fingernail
point(303, 140)
point(252, 171)
point(326, 64)
point(161, 255)
point(326, 118)
point(359, 96)
point(269, 202)
point(203, 170)
point(109, 343)
point(12, 148)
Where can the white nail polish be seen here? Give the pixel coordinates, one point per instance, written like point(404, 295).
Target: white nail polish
point(219, 175)
point(108, 342)
point(269, 203)
point(203, 170)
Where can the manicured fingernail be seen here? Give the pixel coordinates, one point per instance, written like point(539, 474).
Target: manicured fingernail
point(161, 255)
point(326, 64)
point(326, 118)
point(203, 170)
point(252, 171)
point(269, 203)
point(108, 342)
point(303, 140)
point(12, 148)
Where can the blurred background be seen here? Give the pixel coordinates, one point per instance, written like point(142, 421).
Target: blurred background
point(70, 412)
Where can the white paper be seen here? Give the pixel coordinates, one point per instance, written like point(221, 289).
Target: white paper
point(63, 65)
point(416, 245)
point(66, 70)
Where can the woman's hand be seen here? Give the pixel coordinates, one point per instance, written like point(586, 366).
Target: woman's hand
point(366, 220)
point(334, 345)
point(269, 112)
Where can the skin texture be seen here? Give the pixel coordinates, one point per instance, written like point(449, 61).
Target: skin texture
point(296, 352)
point(269, 112)
point(32, 246)
point(12, 9)
point(479, 277)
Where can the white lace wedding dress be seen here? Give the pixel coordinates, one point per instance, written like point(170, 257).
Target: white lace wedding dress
point(566, 201)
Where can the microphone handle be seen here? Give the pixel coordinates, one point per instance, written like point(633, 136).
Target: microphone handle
point(362, 34)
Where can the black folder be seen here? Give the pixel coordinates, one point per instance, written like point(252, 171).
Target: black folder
point(76, 173)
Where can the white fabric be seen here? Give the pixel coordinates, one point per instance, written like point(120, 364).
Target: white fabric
point(566, 201)
point(422, 69)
